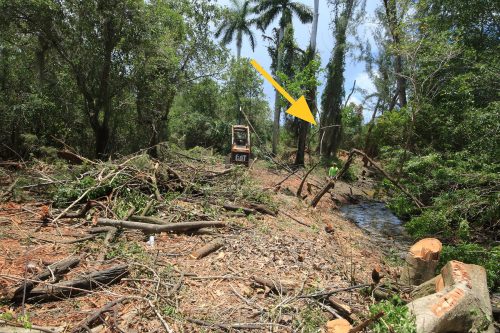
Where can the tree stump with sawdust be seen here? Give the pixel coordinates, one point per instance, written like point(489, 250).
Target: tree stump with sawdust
point(460, 303)
point(421, 261)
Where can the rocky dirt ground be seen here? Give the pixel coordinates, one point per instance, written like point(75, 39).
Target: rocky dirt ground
point(302, 250)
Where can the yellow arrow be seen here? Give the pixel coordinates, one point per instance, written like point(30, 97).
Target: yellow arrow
point(299, 107)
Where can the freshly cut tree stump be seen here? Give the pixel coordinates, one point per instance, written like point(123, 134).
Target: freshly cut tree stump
point(462, 305)
point(421, 261)
point(338, 326)
point(208, 248)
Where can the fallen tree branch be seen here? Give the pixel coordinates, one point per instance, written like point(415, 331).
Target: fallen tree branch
point(96, 317)
point(367, 322)
point(55, 270)
point(329, 293)
point(293, 218)
point(275, 286)
point(228, 327)
point(263, 209)
point(233, 208)
point(290, 174)
point(19, 328)
point(76, 287)
point(208, 248)
point(148, 219)
point(173, 227)
point(331, 183)
point(299, 190)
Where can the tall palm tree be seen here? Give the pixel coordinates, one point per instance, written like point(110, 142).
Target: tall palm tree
point(237, 24)
point(268, 11)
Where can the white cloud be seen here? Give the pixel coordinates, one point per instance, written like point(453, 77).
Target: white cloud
point(364, 82)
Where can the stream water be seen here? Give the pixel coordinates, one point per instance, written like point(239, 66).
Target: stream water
point(378, 221)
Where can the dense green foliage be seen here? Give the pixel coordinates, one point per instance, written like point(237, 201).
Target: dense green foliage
point(396, 317)
point(476, 254)
point(443, 145)
point(106, 82)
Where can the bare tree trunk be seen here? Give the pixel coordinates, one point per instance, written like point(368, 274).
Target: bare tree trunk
point(369, 148)
point(392, 21)
point(277, 104)
point(311, 94)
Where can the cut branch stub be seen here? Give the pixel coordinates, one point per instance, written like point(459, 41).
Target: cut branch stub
point(421, 261)
point(208, 248)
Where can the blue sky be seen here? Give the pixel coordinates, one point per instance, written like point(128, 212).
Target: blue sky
point(325, 42)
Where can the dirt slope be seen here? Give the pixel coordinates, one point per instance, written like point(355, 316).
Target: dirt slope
point(329, 253)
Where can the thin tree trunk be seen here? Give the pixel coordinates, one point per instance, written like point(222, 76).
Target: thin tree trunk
point(392, 20)
point(311, 94)
point(238, 56)
point(277, 104)
point(369, 148)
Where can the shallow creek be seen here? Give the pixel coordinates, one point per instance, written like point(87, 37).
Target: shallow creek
point(379, 222)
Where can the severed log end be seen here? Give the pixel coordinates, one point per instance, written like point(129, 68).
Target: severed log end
point(340, 306)
point(208, 248)
point(421, 261)
point(338, 326)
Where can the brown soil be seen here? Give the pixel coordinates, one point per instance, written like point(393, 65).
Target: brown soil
point(331, 253)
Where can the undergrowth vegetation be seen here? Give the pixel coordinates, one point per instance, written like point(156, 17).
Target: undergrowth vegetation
point(397, 317)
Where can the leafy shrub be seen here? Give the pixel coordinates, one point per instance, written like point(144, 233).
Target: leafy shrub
point(396, 316)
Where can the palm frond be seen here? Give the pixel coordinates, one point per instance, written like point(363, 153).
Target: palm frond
point(268, 17)
point(251, 37)
point(303, 12)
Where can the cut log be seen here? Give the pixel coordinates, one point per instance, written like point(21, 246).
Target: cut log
point(263, 209)
point(463, 305)
point(233, 208)
point(78, 286)
point(153, 228)
point(208, 248)
point(341, 307)
point(148, 219)
point(421, 261)
point(274, 286)
point(55, 270)
point(338, 326)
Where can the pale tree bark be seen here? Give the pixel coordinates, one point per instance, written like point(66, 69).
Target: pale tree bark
point(391, 12)
point(277, 104)
point(311, 94)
